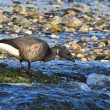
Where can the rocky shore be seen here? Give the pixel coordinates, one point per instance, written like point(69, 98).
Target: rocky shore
point(77, 18)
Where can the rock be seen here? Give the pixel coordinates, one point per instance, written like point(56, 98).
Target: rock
point(85, 8)
point(10, 24)
point(108, 42)
point(1, 16)
point(70, 13)
point(26, 31)
point(97, 79)
point(79, 86)
point(76, 47)
point(56, 20)
point(84, 29)
point(80, 56)
point(101, 56)
point(1, 12)
point(104, 60)
point(73, 76)
point(54, 36)
point(1, 26)
point(83, 50)
point(74, 55)
point(98, 50)
point(55, 28)
point(19, 9)
point(21, 20)
point(69, 29)
point(84, 59)
point(14, 35)
point(17, 28)
point(67, 45)
point(75, 23)
point(101, 45)
point(94, 38)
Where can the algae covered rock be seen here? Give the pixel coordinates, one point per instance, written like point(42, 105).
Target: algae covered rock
point(13, 75)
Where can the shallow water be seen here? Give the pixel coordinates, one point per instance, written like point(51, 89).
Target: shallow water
point(85, 85)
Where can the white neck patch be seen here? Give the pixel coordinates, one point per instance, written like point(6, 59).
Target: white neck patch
point(10, 49)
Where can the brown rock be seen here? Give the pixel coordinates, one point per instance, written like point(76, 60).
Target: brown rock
point(55, 28)
point(76, 47)
point(74, 24)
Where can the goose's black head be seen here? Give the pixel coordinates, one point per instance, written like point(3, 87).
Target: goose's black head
point(62, 52)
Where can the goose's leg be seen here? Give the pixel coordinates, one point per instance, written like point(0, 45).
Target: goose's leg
point(29, 65)
point(20, 65)
point(30, 72)
point(21, 68)
point(29, 69)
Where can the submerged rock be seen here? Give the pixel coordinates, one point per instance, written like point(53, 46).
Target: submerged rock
point(97, 79)
point(76, 86)
point(72, 76)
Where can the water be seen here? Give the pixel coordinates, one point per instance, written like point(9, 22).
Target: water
point(85, 86)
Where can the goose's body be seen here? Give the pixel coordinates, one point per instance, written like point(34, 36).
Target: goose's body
point(28, 49)
point(32, 49)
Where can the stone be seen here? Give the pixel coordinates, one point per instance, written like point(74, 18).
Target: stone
point(74, 76)
point(94, 38)
point(26, 31)
point(75, 23)
point(21, 20)
point(54, 36)
point(84, 29)
point(76, 47)
point(97, 79)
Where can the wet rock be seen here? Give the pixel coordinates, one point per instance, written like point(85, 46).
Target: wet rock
point(1, 26)
point(69, 29)
point(75, 23)
point(55, 28)
point(19, 9)
point(84, 59)
point(108, 42)
point(85, 8)
point(54, 36)
point(4, 94)
point(22, 21)
point(101, 45)
point(84, 29)
point(80, 56)
point(17, 28)
point(76, 47)
point(102, 56)
point(97, 79)
point(1, 16)
point(26, 31)
point(76, 86)
point(73, 76)
point(94, 38)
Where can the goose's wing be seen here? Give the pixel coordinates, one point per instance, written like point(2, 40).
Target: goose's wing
point(22, 42)
point(30, 48)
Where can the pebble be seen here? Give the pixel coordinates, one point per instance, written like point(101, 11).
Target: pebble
point(54, 36)
point(26, 31)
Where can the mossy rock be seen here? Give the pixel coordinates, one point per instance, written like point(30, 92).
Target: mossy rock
point(13, 75)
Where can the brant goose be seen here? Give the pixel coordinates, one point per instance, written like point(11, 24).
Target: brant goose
point(33, 49)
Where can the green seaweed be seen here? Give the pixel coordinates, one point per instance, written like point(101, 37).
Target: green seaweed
point(15, 75)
